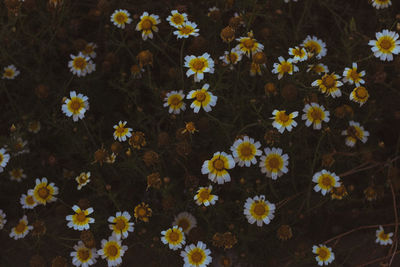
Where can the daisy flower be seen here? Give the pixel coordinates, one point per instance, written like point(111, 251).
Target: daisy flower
point(143, 212)
point(83, 179)
point(351, 76)
point(83, 256)
point(147, 25)
point(325, 181)
point(112, 250)
point(298, 53)
point(205, 197)
point(79, 65)
point(43, 192)
point(75, 106)
point(378, 4)
point(244, 151)
point(120, 17)
point(10, 72)
point(314, 46)
point(202, 98)
point(385, 45)
point(121, 133)
point(174, 237)
point(198, 66)
point(187, 29)
point(355, 132)
point(185, 221)
point(196, 256)
point(176, 19)
point(231, 58)
point(89, 50)
point(283, 121)
point(120, 224)
point(27, 201)
point(382, 238)
point(329, 84)
point(2, 219)
point(174, 100)
point(216, 168)
point(259, 210)
point(4, 158)
point(318, 68)
point(248, 45)
point(315, 114)
point(324, 254)
point(359, 95)
point(274, 164)
point(22, 229)
point(284, 66)
point(17, 174)
point(79, 221)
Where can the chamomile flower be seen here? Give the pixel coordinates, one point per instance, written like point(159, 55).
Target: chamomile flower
point(359, 95)
point(231, 57)
point(385, 45)
point(380, 4)
point(383, 238)
point(198, 66)
point(75, 106)
point(83, 256)
point(318, 68)
point(298, 53)
point(17, 174)
point(3, 220)
point(79, 220)
point(143, 212)
point(10, 72)
point(315, 114)
point(355, 132)
point(284, 66)
point(44, 192)
point(83, 179)
point(185, 221)
point(283, 121)
point(324, 254)
point(89, 50)
point(187, 29)
point(259, 210)
point(315, 47)
point(329, 84)
point(79, 65)
point(121, 133)
point(147, 25)
point(112, 250)
point(205, 197)
point(120, 224)
point(174, 237)
point(177, 19)
point(27, 201)
point(273, 163)
point(120, 17)
point(248, 45)
point(351, 76)
point(21, 229)
point(202, 99)
point(174, 100)
point(196, 255)
point(4, 158)
point(244, 151)
point(217, 167)
point(325, 181)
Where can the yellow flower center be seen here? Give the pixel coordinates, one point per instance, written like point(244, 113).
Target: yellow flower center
point(326, 180)
point(323, 254)
point(218, 164)
point(120, 129)
point(352, 131)
point(121, 18)
point(177, 19)
point(147, 24)
point(29, 200)
point(200, 96)
point(259, 209)
point(112, 250)
point(20, 228)
point(1, 158)
point(80, 63)
point(361, 92)
point(43, 192)
point(75, 104)
point(246, 150)
point(383, 236)
point(232, 57)
point(198, 64)
point(175, 100)
point(186, 30)
point(197, 257)
point(9, 73)
point(184, 224)
point(83, 254)
point(204, 194)
point(329, 81)
point(120, 224)
point(313, 47)
point(283, 116)
point(174, 236)
point(274, 163)
point(316, 114)
point(142, 212)
point(248, 43)
point(386, 43)
point(354, 75)
point(285, 67)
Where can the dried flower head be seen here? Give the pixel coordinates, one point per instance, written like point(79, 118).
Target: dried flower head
point(284, 232)
point(227, 34)
point(154, 180)
point(137, 140)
